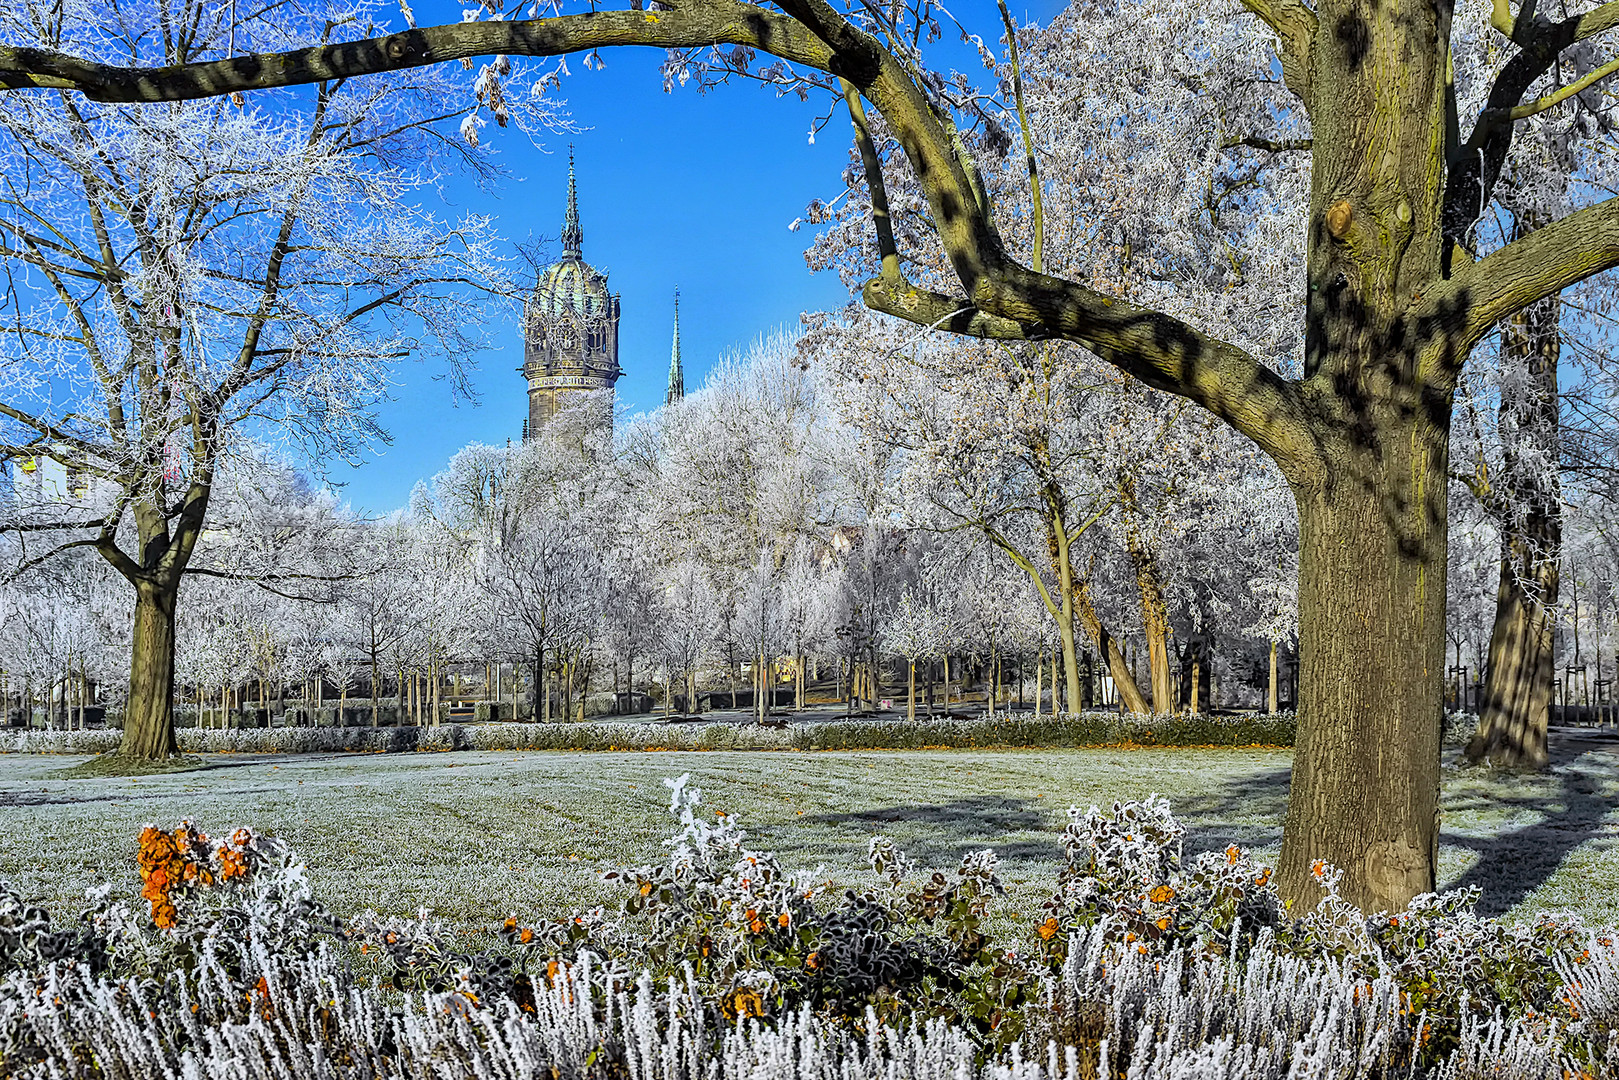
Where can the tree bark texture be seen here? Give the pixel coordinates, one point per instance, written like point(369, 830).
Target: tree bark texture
point(149, 710)
point(1376, 723)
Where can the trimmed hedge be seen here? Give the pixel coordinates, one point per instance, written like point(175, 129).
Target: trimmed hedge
point(1088, 729)
point(231, 741)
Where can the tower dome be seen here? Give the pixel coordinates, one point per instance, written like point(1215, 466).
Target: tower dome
point(571, 326)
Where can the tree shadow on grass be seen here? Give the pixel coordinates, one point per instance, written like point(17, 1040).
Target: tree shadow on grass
point(1244, 810)
point(950, 830)
point(1515, 864)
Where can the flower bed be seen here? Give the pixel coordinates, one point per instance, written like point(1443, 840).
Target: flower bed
point(720, 962)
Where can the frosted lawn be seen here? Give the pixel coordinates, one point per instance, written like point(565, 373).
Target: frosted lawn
point(474, 835)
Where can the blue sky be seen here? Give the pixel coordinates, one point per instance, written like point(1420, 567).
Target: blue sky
point(679, 189)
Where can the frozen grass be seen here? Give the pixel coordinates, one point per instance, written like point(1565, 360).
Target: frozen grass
point(476, 834)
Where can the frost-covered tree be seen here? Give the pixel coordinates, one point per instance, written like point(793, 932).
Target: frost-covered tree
point(918, 632)
point(184, 271)
point(1394, 286)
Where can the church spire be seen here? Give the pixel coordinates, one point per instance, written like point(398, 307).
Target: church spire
point(572, 238)
point(677, 377)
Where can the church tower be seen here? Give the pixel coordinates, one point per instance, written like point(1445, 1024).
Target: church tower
point(677, 376)
point(570, 328)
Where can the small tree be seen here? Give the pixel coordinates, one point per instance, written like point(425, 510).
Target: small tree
point(917, 631)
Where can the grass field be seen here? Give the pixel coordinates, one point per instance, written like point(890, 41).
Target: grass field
point(475, 835)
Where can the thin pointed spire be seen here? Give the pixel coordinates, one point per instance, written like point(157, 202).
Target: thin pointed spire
point(677, 376)
point(572, 238)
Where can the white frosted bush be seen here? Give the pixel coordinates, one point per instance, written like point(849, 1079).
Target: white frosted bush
point(237, 971)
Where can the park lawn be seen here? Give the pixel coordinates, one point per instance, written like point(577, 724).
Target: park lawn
point(477, 835)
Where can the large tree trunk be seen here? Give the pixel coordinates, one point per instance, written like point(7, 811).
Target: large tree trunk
point(1371, 649)
point(1516, 710)
point(1369, 474)
point(149, 710)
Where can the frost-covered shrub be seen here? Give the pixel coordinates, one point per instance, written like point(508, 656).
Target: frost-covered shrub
point(492, 711)
point(1083, 729)
point(28, 941)
point(1125, 874)
point(1457, 728)
point(723, 964)
point(208, 898)
point(753, 939)
point(1089, 729)
point(59, 742)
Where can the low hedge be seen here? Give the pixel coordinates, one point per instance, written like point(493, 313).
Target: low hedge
point(1088, 729)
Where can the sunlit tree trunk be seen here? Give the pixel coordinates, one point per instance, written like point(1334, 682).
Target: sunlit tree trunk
point(1124, 680)
point(910, 702)
point(149, 709)
point(1272, 697)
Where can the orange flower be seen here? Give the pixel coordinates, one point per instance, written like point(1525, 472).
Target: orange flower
point(1163, 894)
point(783, 919)
point(1048, 929)
point(1163, 924)
point(526, 935)
point(813, 960)
point(1231, 854)
point(1129, 937)
point(744, 1003)
point(1318, 868)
